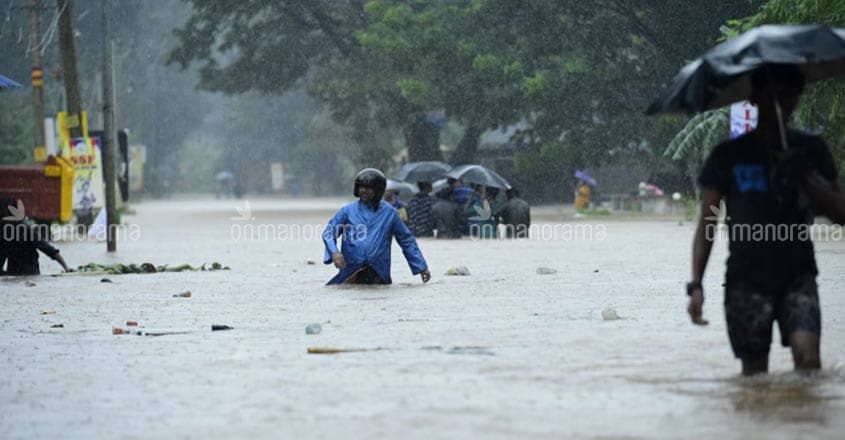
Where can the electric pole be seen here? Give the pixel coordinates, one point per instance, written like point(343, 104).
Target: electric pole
point(40, 149)
point(71, 79)
point(108, 128)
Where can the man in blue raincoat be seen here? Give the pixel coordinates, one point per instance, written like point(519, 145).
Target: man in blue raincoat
point(367, 227)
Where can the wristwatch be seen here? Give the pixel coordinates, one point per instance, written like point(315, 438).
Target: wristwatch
point(692, 285)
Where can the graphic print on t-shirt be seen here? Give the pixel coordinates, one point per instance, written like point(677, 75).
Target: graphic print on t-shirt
point(750, 177)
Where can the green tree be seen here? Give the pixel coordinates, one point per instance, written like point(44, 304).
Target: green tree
point(15, 128)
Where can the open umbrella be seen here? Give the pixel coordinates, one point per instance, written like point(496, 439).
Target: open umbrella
point(438, 185)
point(427, 171)
point(480, 175)
point(404, 189)
point(6, 83)
point(588, 179)
point(722, 75)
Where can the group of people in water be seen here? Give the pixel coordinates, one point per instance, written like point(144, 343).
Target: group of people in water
point(369, 224)
point(460, 210)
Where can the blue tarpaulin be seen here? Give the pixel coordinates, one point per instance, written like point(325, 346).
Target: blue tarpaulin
point(6, 83)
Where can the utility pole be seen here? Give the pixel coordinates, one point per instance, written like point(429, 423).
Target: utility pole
point(74, 99)
point(40, 148)
point(108, 128)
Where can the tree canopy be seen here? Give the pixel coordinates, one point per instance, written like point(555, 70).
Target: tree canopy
point(576, 75)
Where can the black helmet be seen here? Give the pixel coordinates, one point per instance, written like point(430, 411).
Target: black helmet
point(373, 178)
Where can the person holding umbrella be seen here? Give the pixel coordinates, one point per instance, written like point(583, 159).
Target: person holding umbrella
point(771, 278)
point(368, 226)
point(764, 177)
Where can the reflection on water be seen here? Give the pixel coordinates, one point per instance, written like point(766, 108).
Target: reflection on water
point(789, 397)
point(776, 400)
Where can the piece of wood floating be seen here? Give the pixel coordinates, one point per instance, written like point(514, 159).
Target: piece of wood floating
point(332, 350)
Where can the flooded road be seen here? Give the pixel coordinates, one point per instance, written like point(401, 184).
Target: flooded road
point(502, 353)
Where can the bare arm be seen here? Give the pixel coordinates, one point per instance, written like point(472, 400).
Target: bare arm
point(59, 259)
point(826, 196)
point(701, 247)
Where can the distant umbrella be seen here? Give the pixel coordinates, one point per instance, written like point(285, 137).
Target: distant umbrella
point(427, 171)
point(404, 189)
point(480, 175)
point(438, 185)
point(7, 83)
point(224, 175)
point(588, 179)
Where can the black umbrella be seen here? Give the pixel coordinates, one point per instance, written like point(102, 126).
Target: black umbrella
point(722, 75)
point(480, 175)
point(427, 171)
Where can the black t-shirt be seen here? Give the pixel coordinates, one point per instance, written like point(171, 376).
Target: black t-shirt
point(768, 219)
point(19, 246)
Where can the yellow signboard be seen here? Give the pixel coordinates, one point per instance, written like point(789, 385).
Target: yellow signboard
point(66, 122)
point(84, 154)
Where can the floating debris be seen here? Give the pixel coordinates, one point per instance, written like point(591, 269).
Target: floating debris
point(609, 314)
point(186, 294)
point(486, 351)
point(458, 271)
point(57, 326)
point(220, 327)
point(106, 280)
point(123, 331)
point(131, 323)
point(331, 350)
point(546, 271)
point(313, 329)
point(30, 284)
point(47, 312)
point(119, 268)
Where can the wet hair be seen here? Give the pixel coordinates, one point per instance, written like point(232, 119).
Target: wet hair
point(777, 73)
point(424, 186)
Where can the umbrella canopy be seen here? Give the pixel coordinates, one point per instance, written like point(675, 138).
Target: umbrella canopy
point(404, 189)
point(427, 171)
point(438, 185)
point(722, 75)
point(588, 179)
point(6, 83)
point(480, 175)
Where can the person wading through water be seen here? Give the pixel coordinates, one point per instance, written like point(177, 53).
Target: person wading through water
point(368, 227)
point(771, 270)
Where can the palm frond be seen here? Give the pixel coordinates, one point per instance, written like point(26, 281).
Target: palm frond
point(700, 134)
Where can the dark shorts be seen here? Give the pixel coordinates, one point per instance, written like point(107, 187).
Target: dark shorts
point(750, 313)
